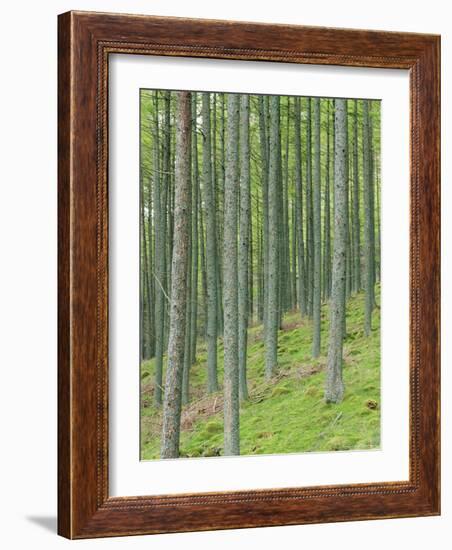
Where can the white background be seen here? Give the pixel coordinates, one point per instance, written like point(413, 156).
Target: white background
point(128, 476)
point(28, 272)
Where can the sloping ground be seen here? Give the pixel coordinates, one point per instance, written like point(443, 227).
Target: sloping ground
point(287, 414)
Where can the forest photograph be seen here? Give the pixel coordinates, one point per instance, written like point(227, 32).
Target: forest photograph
point(259, 274)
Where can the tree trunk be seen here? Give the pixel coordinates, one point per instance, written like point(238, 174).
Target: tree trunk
point(211, 252)
point(187, 350)
point(299, 213)
point(244, 241)
point(347, 228)
point(309, 214)
point(167, 194)
point(334, 387)
point(195, 252)
point(316, 225)
point(230, 290)
point(264, 182)
point(356, 204)
point(327, 220)
point(172, 400)
point(372, 204)
point(146, 286)
point(159, 274)
point(368, 282)
point(271, 332)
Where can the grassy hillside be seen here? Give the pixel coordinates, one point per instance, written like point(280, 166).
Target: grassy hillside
point(287, 414)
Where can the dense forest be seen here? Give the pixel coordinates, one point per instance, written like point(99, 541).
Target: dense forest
point(260, 241)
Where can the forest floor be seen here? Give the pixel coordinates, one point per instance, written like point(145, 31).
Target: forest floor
point(287, 414)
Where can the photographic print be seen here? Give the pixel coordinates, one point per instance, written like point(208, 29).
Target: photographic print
point(260, 274)
point(238, 205)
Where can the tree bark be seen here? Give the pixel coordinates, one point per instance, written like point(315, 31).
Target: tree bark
point(368, 282)
point(159, 274)
point(244, 242)
point(211, 249)
point(230, 290)
point(172, 399)
point(356, 204)
point(263, 101)
point(327, 216)
point(299, 213)
point(309, 214)
point(195, 248)
point(334, 387)
point(271, 336)
point(316, 225)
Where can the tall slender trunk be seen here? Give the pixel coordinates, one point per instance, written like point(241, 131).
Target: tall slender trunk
point(377, 221)
point(347, 227)
point(167, 193)
point(285, 239)
point(219, 203)
point(151, 254)
point(188, 318)
point(230, 286)
point(316, 225)
point(263, 101)
point(211, 249)
point(372, 203)
point(293, 274)
point(244, 242)
point(145, 281)
point(159, 273)
point(356, 204)
point(327, 216)
point(202, 257)
point(216, 200)
point(250, 264)
point(368, 281)
point(334, 386)
point(172, 400)
point(194, 244)
point(309, 214)
point(299, 213)
point(271, 332)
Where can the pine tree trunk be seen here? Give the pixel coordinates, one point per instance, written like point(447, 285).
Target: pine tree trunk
point(356, 204)
point(195, 251)
point(187, 345)
point(327, 220)
point(167, 193)
point(159, 275)
point(271, 332)
point(334, 387)
point(264, 179)
point(146, 282)
point(202, 257)
point(172, 400)
point(230, 286)
point(299, 213)
point(293, 274)
point(309, 216)
point(372, 204)
point(244, 242)
point(368, 281)
point(377, 221)
point(316, 225)
point(216, 200)
point(211, 252)
point(347, 228)
point(285, 239)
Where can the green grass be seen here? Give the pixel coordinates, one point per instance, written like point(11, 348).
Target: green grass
point(287, 414)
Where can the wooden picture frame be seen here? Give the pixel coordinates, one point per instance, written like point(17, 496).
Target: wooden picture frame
point(85, 42)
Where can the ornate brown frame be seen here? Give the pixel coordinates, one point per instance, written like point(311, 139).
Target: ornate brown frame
point(84, 44)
